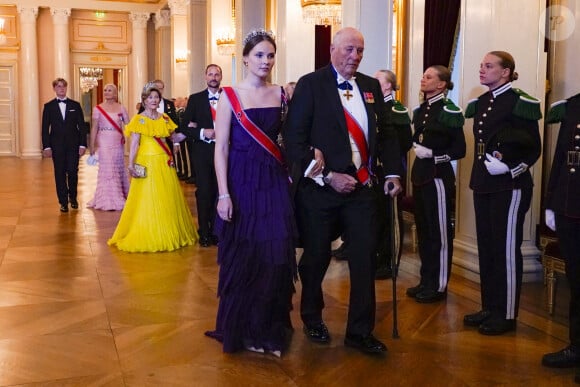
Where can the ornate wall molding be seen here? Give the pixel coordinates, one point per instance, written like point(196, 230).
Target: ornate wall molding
point(178, 7)
point(28, 15)
point(139, 19)
point(162, 18)
point(60, 15)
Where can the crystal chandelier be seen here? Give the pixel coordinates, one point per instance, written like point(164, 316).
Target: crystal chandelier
point(90, 77)
point(226, 42)
point(321, 12)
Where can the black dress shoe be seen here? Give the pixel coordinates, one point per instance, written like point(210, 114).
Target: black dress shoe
point(565, 358)
point(204, 241)
point(496, 326)
point(412, 292)
point(74, 204)
point(476, 319)
point(214, 240)
point(366, 344)
point(317, 333)
point(428, 296)
point(64, 208)
point(190, 181)
point(383, 272)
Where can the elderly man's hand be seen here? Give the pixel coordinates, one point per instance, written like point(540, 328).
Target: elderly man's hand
point(341, 182)
point(393, 186)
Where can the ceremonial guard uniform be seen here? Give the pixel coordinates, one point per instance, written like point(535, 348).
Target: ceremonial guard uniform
point(505, 129)
point(563, 199)
point(398, 116)
point(438, 125)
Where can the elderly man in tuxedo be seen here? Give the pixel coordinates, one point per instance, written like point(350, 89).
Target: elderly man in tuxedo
point(64, 138)
point(336, 123)
point(198, 124)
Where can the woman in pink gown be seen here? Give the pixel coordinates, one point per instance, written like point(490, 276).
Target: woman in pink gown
point(108, 142)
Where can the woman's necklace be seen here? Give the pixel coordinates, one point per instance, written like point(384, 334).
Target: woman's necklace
point(151, 114)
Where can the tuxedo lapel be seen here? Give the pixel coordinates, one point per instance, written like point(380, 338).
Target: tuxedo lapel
point(334, 102)
point(57, 110)
point(169, 109)
point(205, 107)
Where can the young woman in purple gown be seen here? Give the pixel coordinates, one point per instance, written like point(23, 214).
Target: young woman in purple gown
point(255, 224)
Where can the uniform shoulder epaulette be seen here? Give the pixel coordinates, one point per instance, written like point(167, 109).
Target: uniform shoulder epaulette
point(527, 107)
point(471, 108)
point(401, 116)
point(415, 112)
point(451, 115)
point(557, 112)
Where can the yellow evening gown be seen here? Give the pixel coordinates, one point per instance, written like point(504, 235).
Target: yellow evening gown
point(156, 216)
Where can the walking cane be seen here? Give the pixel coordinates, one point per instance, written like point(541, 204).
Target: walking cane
point(395, 247)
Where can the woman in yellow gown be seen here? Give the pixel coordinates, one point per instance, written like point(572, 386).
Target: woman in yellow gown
point(156, 216)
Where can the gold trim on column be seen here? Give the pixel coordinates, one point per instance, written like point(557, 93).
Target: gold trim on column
point(400, 16)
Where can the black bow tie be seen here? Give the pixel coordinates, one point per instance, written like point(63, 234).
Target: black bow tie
point(345, 86)
point(61, 100)
point(213, 98)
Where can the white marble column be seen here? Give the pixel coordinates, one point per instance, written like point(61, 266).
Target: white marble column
point(139, 55)
point(60, 17)
point(198, 45)
point(163, 52)
point(179, 46)
point(30, 135)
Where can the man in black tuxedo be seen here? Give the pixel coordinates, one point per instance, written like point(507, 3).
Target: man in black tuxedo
point(64, 138)
point(198, 124)
point(337, 120)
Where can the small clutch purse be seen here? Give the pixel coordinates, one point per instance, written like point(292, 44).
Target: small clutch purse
point(92, 160)
point(140, 171)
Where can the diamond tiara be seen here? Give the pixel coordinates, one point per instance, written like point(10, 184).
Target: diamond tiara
point(257, 32)
point(149, 85)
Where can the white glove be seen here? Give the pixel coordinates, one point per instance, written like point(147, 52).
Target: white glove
point(422, 152)
point(550, 220)
point(495, 166)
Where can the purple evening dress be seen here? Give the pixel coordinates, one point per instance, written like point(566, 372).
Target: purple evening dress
point(256, 249)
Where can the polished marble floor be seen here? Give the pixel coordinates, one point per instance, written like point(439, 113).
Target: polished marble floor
point(76, 312)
